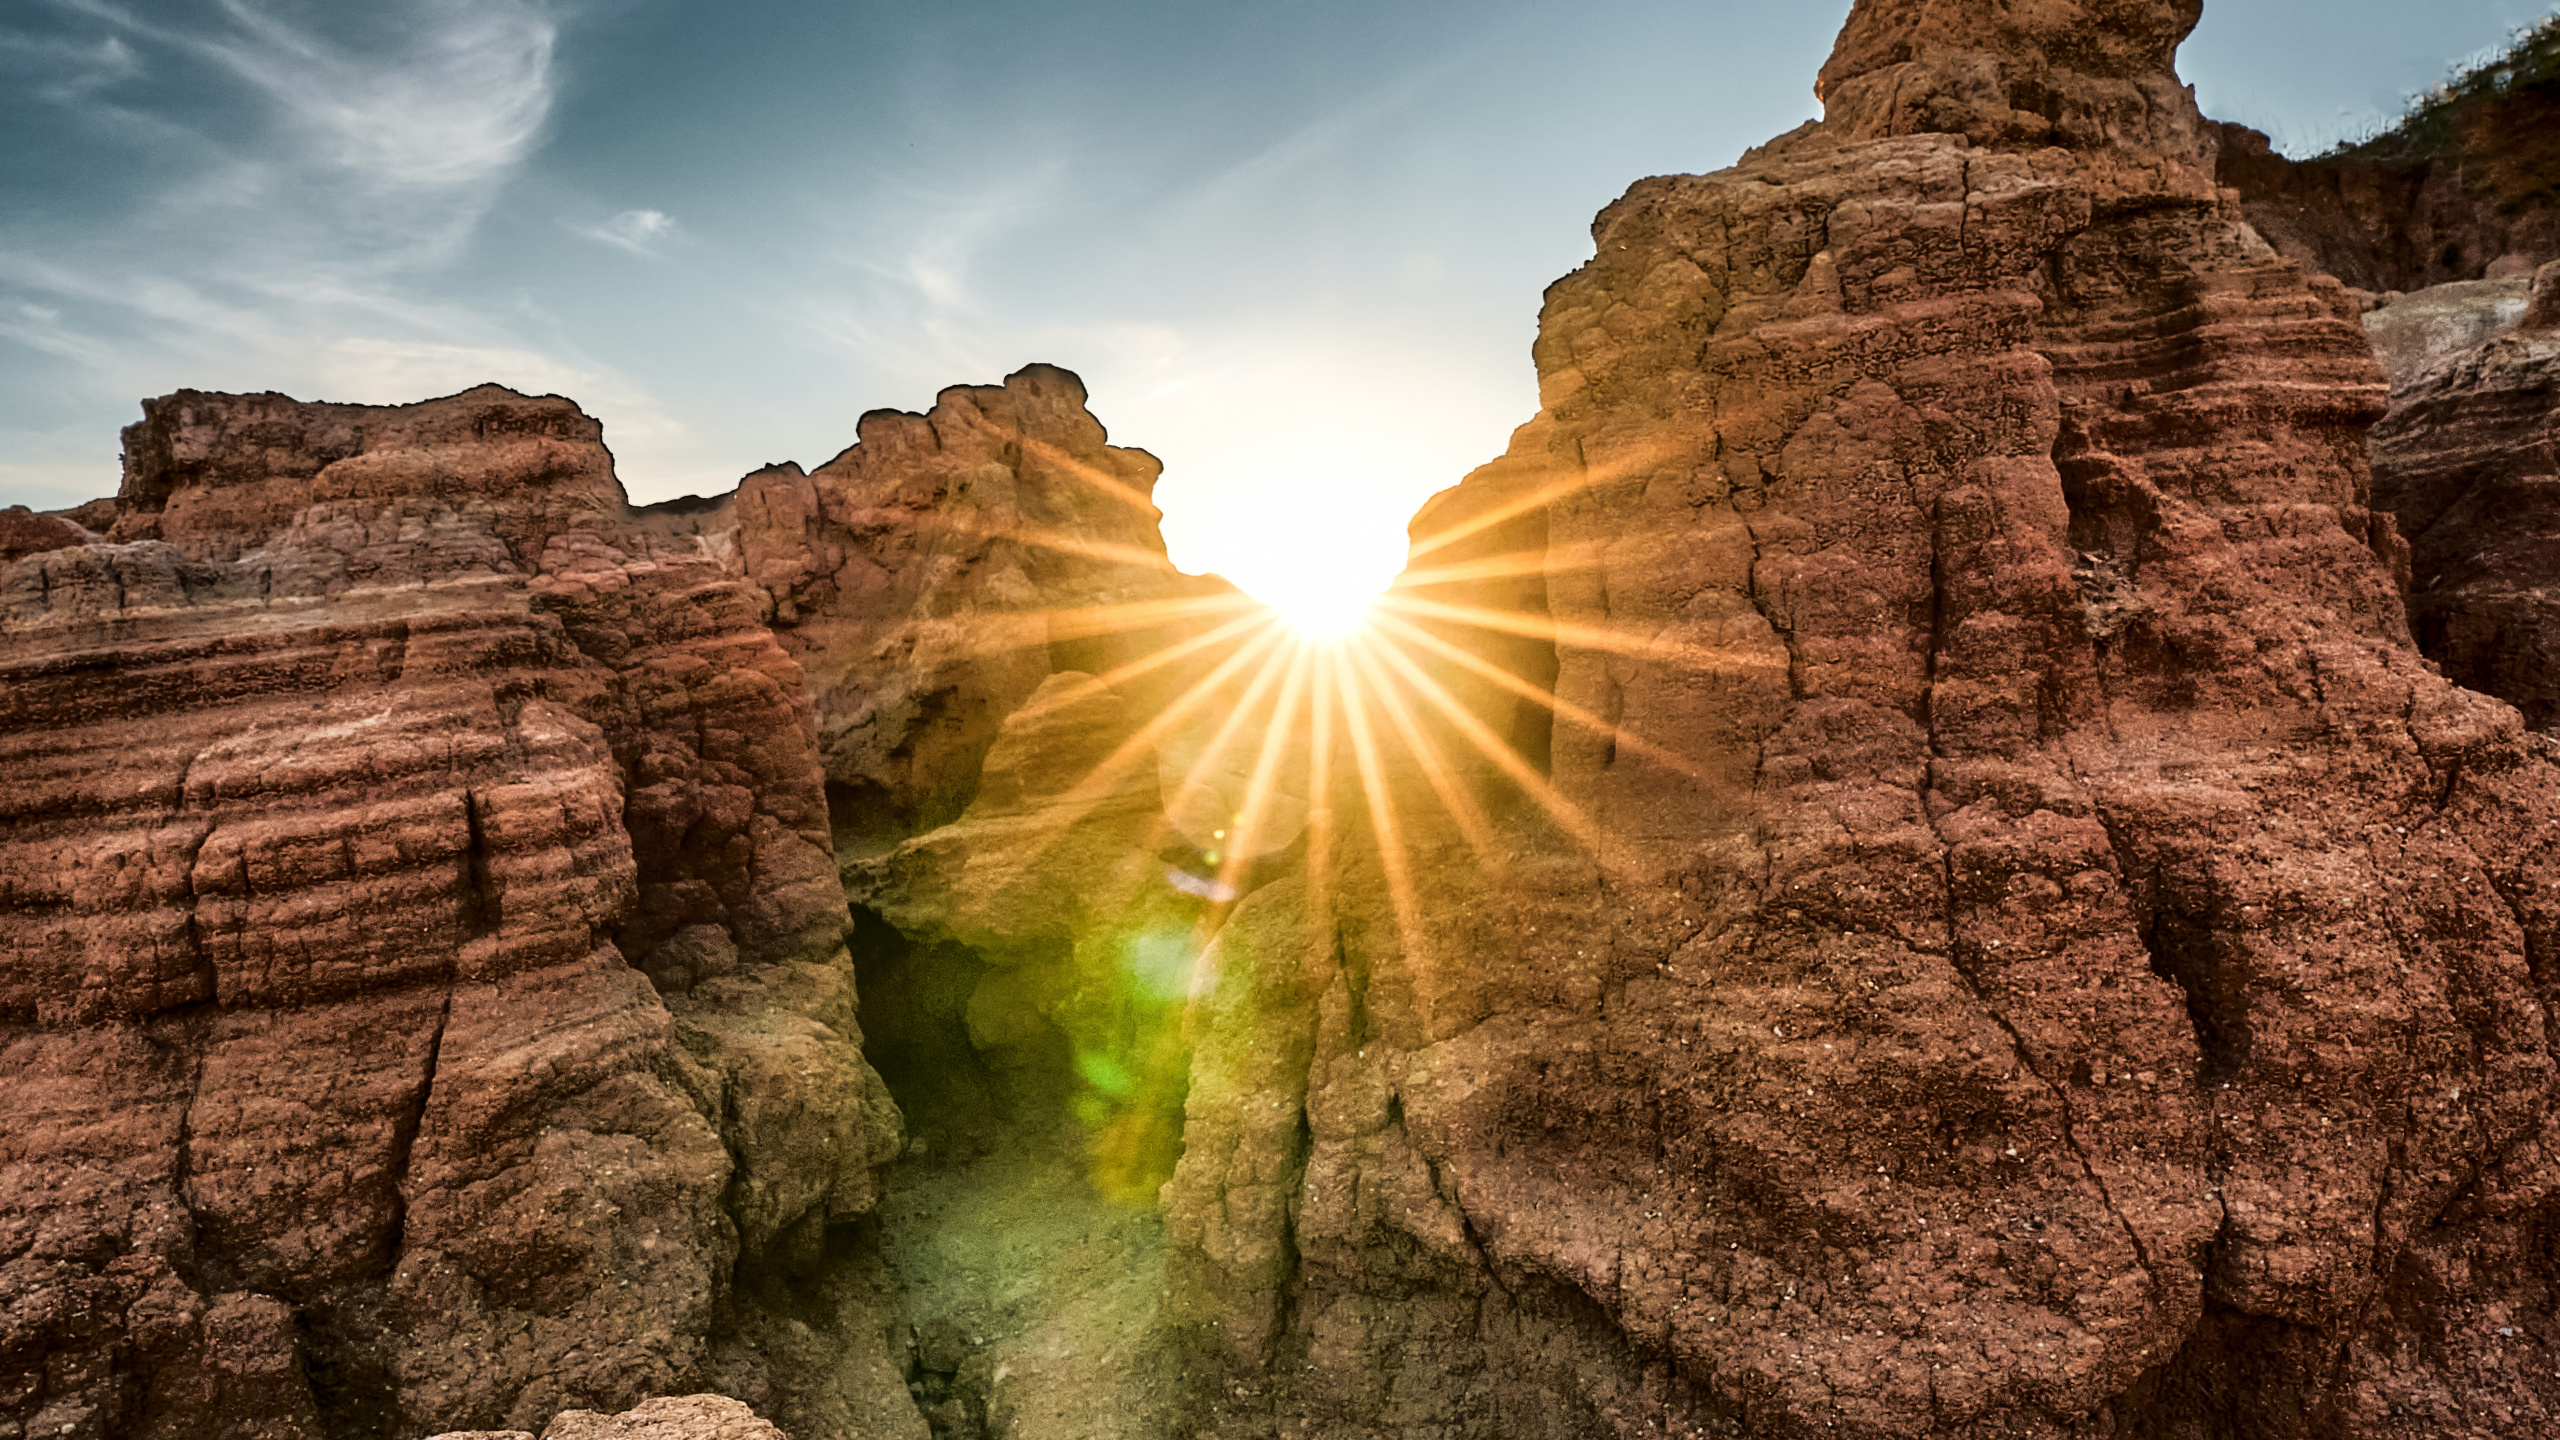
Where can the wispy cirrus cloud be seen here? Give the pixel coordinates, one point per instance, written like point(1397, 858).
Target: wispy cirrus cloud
point(461, 99)
point(61, 70)
point(908, 291)
point(641, 232)
point(270, 144)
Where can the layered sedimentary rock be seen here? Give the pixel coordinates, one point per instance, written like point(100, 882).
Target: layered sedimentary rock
point(1892, 869)
point(2467, 461)
point(2019, 941)
point(422, 969)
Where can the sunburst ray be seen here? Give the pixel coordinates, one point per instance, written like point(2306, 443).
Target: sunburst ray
point(1247, 835)
point(1092, 476)
point(998, 632)
point(1618, 735)
point(1538, 499)
point(1088, 792)
point(1700, 658)
point(1474, 826)
point(1148, 664)
point(1403, 907)
point(1510, 565)
point(1536, 786)
point(1057, 541)
point(1237, 716)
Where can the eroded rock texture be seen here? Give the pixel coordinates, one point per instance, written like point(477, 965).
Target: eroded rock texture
point(675, 1417)
point(1893, 869)
point(2021, 943)
point(422, 968)
point(936, 573)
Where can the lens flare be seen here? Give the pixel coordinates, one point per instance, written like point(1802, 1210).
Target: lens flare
point(1288, 714)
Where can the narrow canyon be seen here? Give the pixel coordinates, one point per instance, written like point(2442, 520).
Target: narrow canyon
point(1960, 839)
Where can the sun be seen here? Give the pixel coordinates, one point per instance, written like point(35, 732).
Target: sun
point(1320, 606)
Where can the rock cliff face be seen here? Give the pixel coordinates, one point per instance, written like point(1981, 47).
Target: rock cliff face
point(1892, 869)
point(2009, 939)
point(422, 968)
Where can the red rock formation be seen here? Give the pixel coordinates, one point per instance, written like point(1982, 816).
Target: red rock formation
point(2054, 960)
point(23, 533)
point(421, 951)
point(1997, 930)
point(935, 574)
point(2542, 311)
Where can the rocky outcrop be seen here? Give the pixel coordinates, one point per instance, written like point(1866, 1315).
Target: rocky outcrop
point(2006, 935)
point(24, 533)
point(2466, 460)
point(930, 586)
point(2542, 311)
point(422, 967)
point(1892, 869)
point(686, 1417)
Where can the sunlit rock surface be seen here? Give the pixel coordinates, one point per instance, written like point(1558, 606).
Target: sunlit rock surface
point(684, 1417)
point(2414, 333)
point(932, 576)
point(2042, 953)
point(1893, 869)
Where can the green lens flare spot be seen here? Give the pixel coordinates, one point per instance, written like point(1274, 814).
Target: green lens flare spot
point(1104, 1074)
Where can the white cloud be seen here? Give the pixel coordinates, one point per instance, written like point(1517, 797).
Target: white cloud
point(40, 328)
point(462, 94)
point(638, 231)
point(917, 306)
point(1327, 135)
point(66, 71)
point(463, 100)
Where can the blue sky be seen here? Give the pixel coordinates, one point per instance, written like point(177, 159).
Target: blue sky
point(1296, 251)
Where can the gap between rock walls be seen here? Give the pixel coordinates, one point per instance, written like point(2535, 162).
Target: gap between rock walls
point(1016, 1247)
